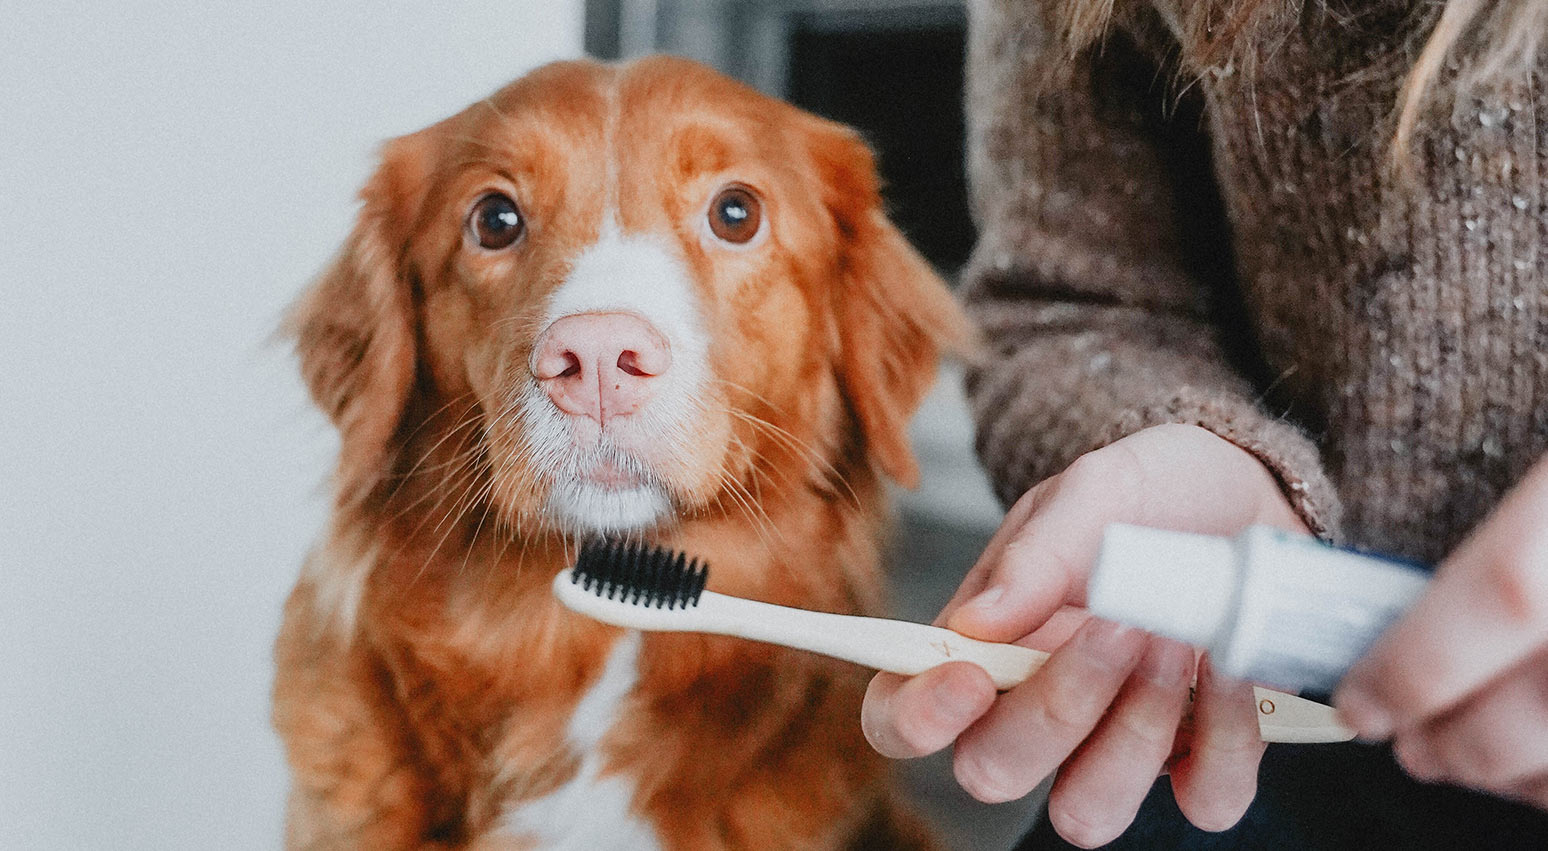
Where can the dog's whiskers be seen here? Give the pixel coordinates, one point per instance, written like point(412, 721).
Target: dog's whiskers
point(451, 520)
point(748, 391)
point(759, 464)
point(529, 322)
point(463, 422)
point(798, 447)
point(754, 513)
point(460, 458)
point(463, 479)
point(484, 499)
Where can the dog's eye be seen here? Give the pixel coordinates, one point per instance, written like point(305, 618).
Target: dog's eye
point(734, 215)
point(496, 222)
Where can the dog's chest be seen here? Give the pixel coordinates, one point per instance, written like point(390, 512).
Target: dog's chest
point(591, 811)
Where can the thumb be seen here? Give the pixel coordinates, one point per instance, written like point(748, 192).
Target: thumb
point(1044, 562)
point(1175, 477)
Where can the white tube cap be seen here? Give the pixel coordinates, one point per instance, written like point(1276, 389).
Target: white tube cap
point(1175, 584)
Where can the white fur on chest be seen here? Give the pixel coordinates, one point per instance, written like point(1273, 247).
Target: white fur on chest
point(591, 812)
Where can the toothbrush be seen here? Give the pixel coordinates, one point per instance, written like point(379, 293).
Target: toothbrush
point(648, 588)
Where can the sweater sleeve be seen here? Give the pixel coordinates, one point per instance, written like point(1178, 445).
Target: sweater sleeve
point(1103, 292)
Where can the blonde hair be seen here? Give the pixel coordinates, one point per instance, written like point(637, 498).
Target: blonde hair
point(1492, 40)
point(1501, 38)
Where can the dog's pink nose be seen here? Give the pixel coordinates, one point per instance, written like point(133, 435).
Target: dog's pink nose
point(600, 365)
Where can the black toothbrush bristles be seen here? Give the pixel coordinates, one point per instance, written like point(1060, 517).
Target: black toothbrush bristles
point(639, 574)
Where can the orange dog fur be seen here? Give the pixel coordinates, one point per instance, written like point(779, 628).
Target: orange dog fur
point(430, 692)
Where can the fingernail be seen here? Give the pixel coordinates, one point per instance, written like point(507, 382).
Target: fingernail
point(986, 599)
point(1219, 679)
point(1362, 714)
point(1109, 639)
point(1166, 663)
point(975, 610)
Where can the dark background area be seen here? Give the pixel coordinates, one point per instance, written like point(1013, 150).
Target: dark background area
point(902, 87)
point(894, 71)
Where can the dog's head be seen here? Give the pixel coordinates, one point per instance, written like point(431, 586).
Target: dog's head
point(639, 288)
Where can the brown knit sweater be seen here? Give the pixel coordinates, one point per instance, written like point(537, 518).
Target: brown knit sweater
point(1239, 259)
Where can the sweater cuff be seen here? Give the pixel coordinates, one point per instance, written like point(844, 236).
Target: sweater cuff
point(1283, 448)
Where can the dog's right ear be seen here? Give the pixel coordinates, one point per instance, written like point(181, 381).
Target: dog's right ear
point(354, 327)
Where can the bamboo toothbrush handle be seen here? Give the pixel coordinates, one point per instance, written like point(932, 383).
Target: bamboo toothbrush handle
point(902, 647)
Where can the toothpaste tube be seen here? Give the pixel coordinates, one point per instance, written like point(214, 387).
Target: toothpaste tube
point(1269, 606)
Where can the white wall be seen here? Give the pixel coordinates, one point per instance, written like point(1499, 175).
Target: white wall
point(171, 174)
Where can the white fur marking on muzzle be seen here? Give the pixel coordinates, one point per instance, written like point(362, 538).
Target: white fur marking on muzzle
point(638, 274)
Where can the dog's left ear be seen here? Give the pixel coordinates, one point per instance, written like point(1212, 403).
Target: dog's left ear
point(895, 315)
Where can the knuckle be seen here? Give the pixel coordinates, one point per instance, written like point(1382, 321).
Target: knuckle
point(1519, 582)
point(1110, 478)
point(1145, 735)
point(1405, 688)
point(1061, 720)
point(1233, 748)
point(1243, 748)
point(1111, 469)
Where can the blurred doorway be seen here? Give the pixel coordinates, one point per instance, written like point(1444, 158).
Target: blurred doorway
point(891, 68)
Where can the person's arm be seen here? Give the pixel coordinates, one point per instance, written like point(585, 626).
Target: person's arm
point(1104, 395)
point(1102, 271)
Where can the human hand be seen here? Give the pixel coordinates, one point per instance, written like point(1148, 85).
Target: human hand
point(1460, 683)
point(1104, 710)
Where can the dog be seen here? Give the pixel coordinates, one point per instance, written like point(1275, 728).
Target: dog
point(636, 300)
